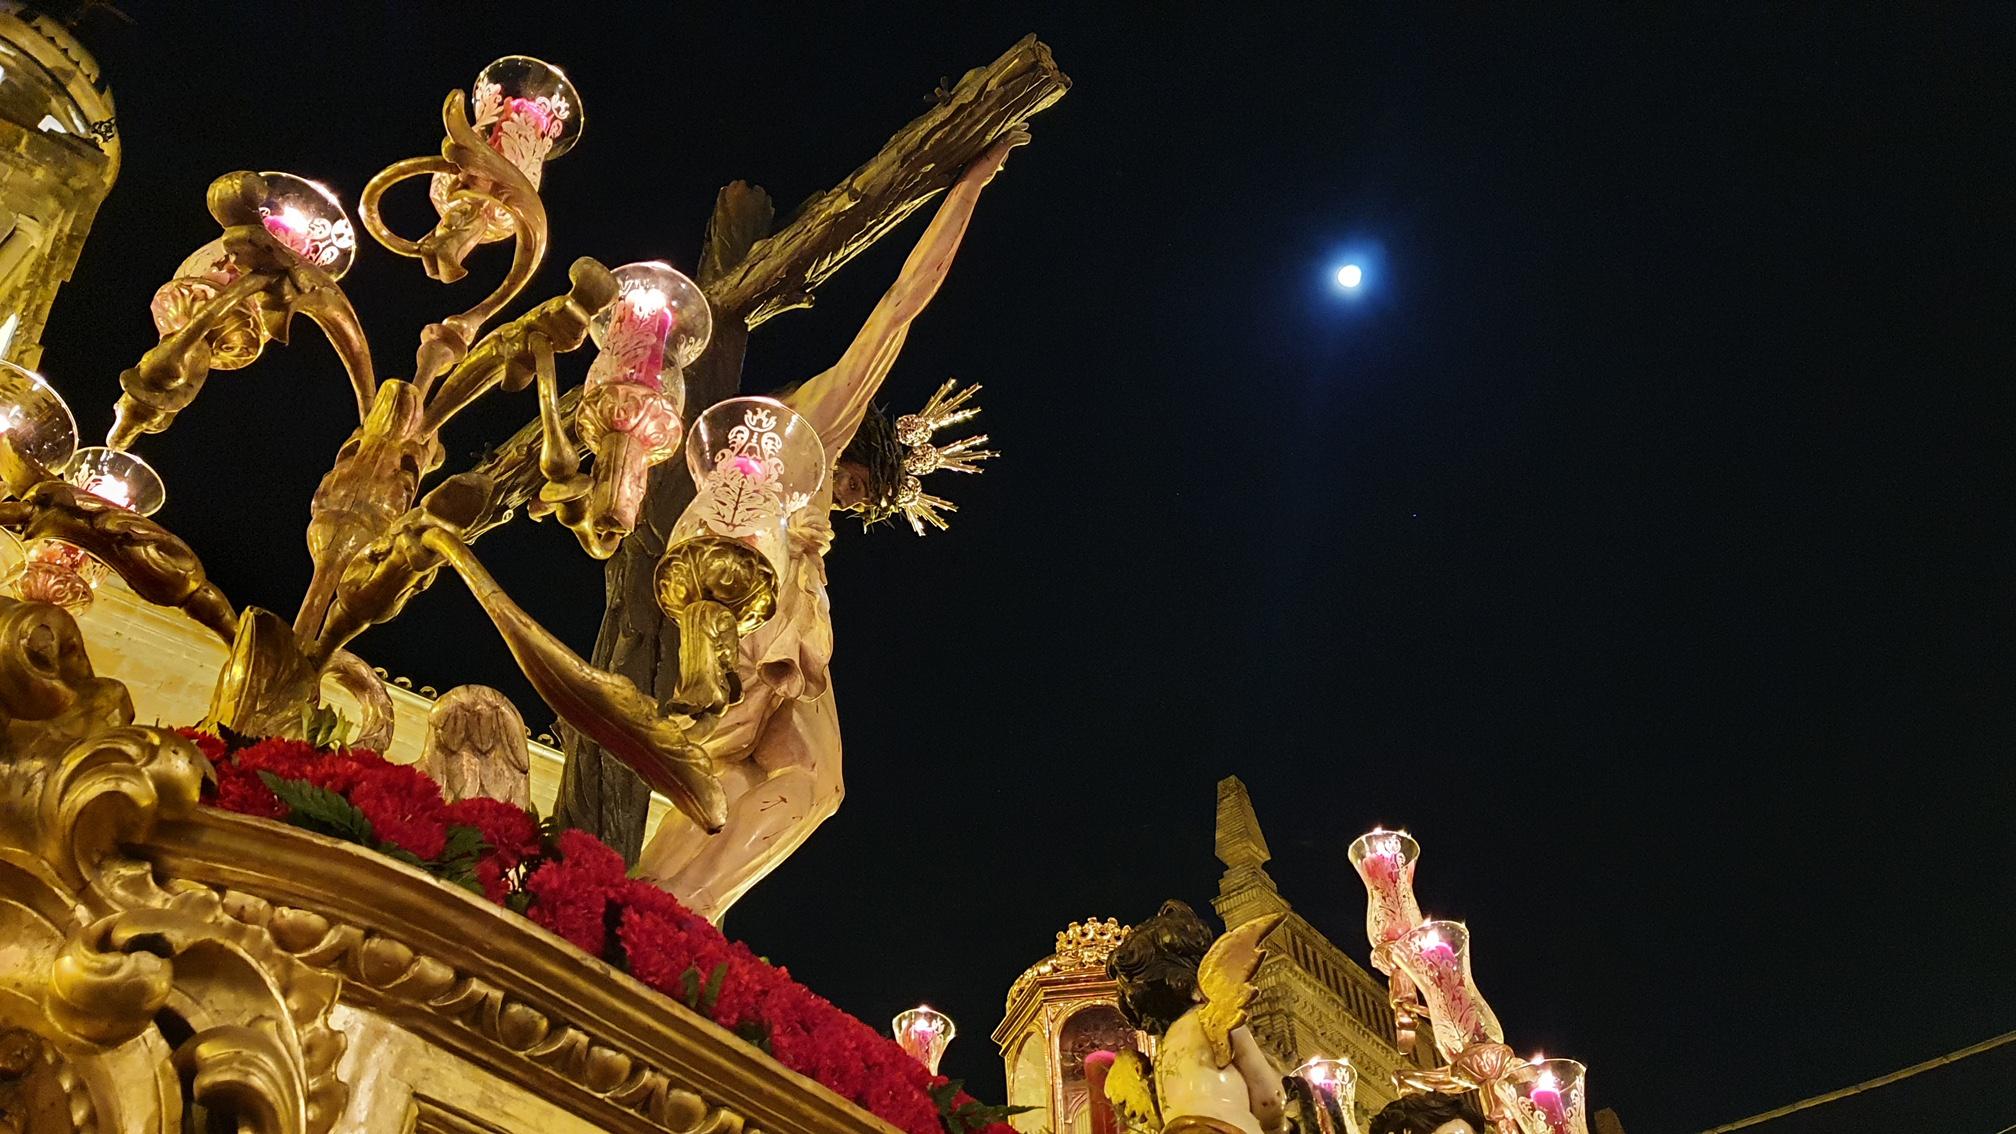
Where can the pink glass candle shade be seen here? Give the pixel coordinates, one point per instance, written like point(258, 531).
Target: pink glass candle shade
point(925, 1033)
point(1333, 1087)
point(1385, 862)
point(529, 112)
point(631, 404)
point(1549, 1096)
point(1435, 957)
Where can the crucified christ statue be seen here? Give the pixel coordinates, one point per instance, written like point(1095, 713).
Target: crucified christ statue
point(777, 750)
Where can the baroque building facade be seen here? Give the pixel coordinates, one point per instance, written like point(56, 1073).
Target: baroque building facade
point(1314, 1000)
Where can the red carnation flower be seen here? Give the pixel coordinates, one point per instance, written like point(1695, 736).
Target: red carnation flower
point(403, 805)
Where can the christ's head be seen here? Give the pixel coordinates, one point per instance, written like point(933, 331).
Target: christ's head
point(869, 476)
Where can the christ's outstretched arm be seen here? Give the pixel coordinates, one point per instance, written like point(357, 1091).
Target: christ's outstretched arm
point(836, 400)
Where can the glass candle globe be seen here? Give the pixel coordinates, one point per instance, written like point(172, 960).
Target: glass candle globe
point(661, 306)
point(1333, 1090)
point(925, 1033)
point(304, 215)
point(629, 414)
point(1550, 1096)
point(529, 112)
point(307, 217)
point(1435, 956)
point(118, 476)
point(1385, 862)
point(35, 418)
point(754, 461)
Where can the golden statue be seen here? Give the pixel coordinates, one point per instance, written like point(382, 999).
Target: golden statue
point(776, 750)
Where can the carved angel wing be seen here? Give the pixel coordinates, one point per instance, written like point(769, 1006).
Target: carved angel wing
point(476, 745)
point(1130, 1087)
point(1225, 978)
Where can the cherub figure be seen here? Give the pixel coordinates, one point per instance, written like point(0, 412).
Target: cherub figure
point(1210, 1074)
point(777, 749)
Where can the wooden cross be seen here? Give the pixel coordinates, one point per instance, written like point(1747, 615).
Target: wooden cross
point(751, 274)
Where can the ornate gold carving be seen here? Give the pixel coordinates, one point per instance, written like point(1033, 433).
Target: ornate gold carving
point(1082, 947)
point(484, 182)
point(476, 746)
point(99, 953)
point(526, 1008)
point(718, 589)
point(1087, 944)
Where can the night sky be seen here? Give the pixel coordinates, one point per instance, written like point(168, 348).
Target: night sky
point(1634, 536)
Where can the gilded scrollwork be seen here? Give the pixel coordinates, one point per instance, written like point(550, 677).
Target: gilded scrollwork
point(157, 565)
point(441, 1000)
point(105, 960)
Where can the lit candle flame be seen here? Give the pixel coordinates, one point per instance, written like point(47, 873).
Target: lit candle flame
point(647, 300)
point(111, 488)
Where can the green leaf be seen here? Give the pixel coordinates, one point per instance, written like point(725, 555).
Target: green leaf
point(689, 988)
point(320, 809)
point(755, 1032)
point(519, 902)
point(711, 995)
point(324, 727)
point(463, 842)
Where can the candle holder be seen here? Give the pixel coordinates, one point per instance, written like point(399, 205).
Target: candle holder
point(1385, 862)
point(306, 218)
point(529, 112)
point(1435, 957)
point(1549, 1096)
point(59, 572)
point(755, 462)
point(34, 417)
point(1331, 1087)
point(629, 414)
point(925, 1033)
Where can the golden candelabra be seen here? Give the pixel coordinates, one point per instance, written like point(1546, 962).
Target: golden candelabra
point(1428, 962)
point(375, 539)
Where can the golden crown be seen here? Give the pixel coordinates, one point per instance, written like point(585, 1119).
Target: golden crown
point(947, 407)
point(1087, 944)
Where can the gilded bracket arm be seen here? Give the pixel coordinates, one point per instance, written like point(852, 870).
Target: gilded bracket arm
point(150, 559)
point(483, 182)
point(606, 707)
point(509, 355)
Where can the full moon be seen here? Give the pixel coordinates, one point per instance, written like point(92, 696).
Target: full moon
point(1350, 275)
